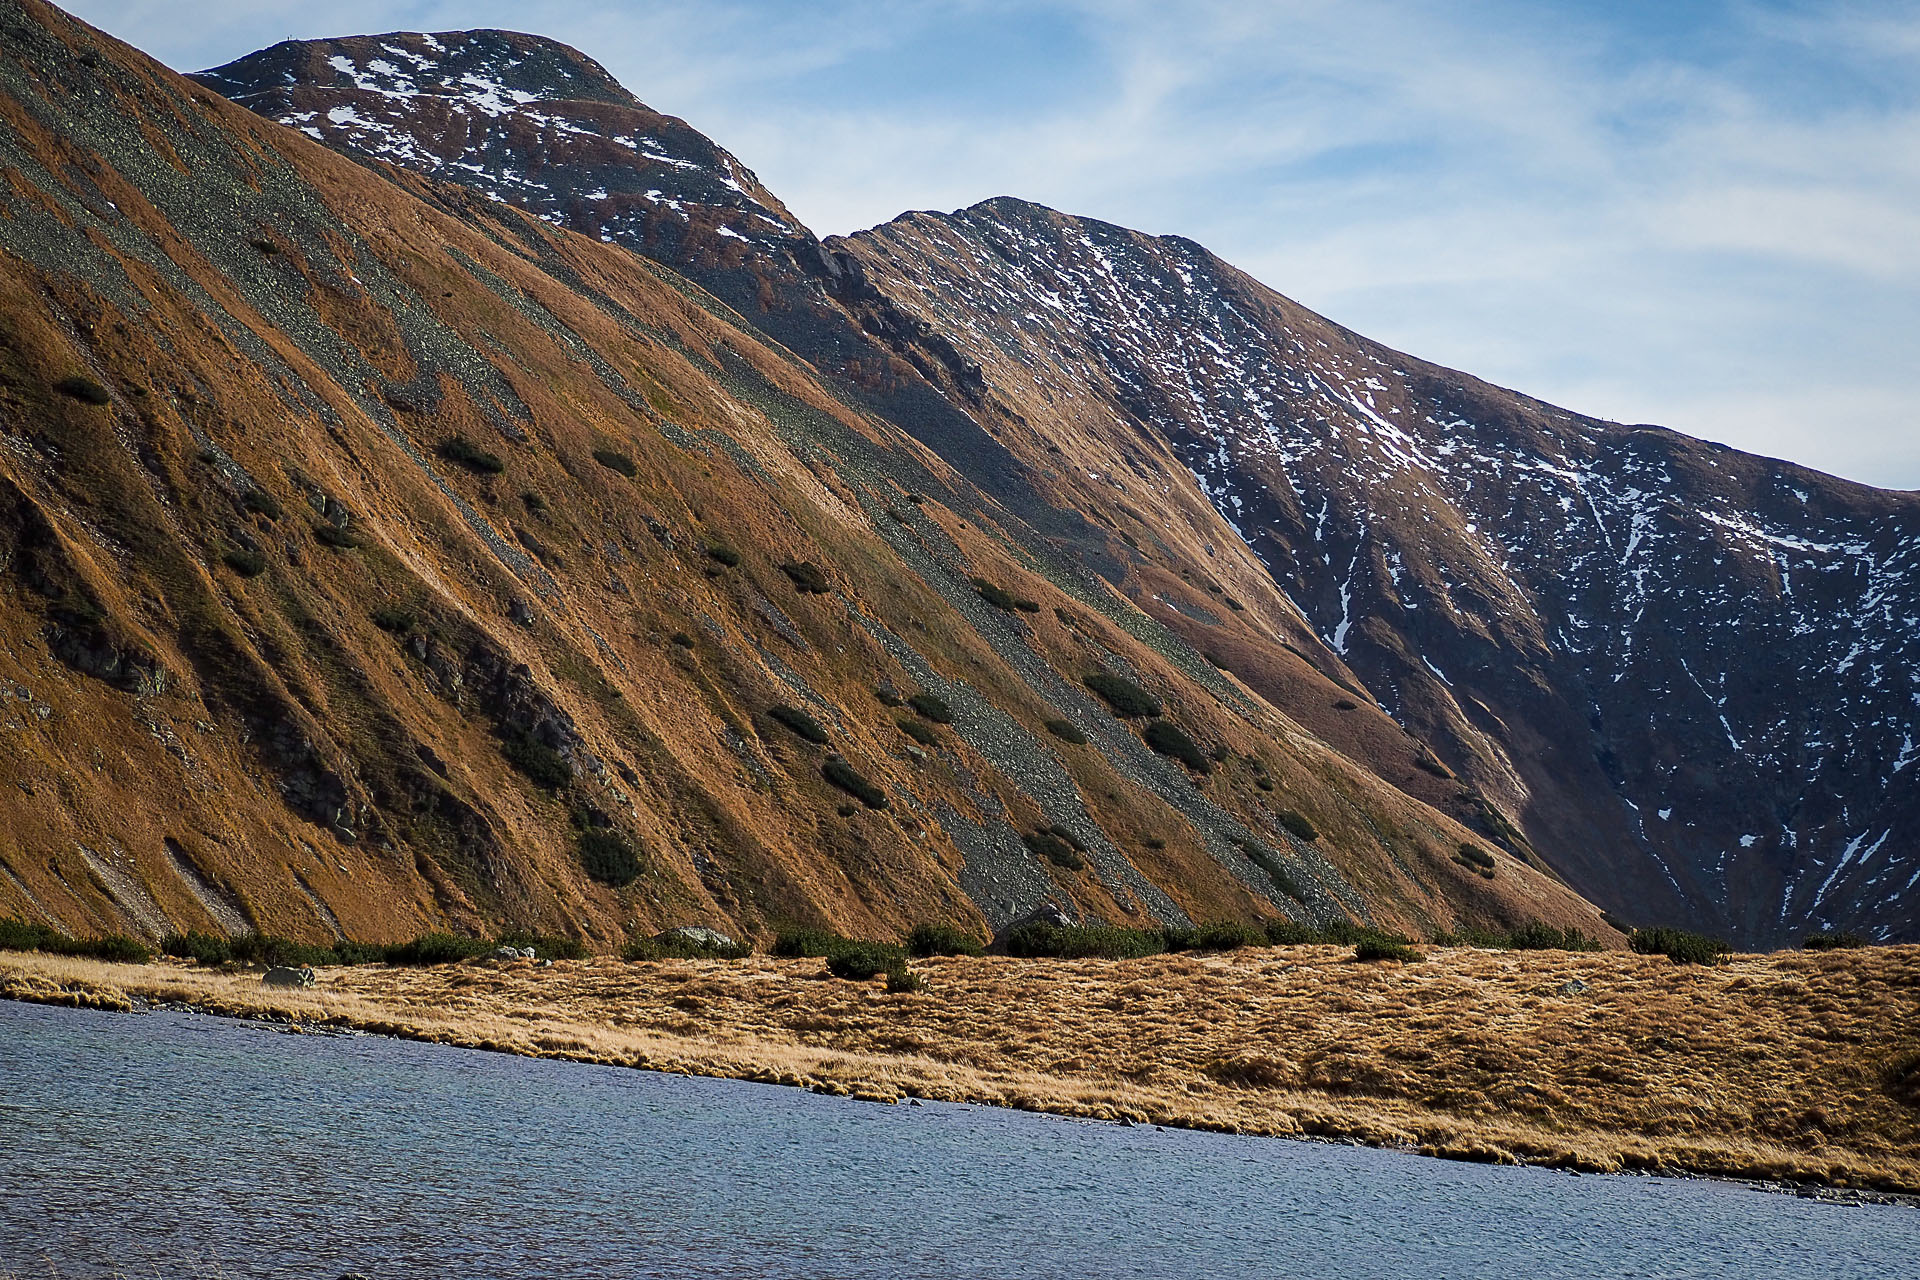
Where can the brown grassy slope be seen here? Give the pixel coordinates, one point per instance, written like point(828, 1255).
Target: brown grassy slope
point(1796, 1065)
point(287, 340)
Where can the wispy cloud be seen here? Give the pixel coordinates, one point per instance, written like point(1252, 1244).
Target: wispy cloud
point(1704, 215)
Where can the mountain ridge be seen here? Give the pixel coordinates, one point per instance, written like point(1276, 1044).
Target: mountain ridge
point(383, 558)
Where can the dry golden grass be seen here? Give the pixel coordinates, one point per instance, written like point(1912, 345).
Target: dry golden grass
point(1773, 1067)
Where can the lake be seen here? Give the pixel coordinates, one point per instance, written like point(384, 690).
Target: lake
point(176, 1145)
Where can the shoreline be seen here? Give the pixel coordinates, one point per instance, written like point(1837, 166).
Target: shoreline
point(783, 1022)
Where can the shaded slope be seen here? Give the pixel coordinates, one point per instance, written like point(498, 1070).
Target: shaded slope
point(1686, 673)
point(394, 560)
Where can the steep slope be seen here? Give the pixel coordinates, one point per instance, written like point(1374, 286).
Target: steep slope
point(1686, 673)
point(536, 123)
point(1574, 614)
point(381, 558)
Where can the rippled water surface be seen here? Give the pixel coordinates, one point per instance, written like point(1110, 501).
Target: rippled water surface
point(175, 1145)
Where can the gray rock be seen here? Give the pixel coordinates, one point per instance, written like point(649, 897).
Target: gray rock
point(506, 953)
point(282, 976)
point(1045, 913)
point(698, 935)
point(1572, 987)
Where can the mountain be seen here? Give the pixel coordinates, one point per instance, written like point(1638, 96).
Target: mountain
point(381, 557)
point(1680, 675)
point(1685, 673)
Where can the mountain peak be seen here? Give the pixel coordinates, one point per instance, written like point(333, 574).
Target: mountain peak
point(493, 68)
point(523, 119)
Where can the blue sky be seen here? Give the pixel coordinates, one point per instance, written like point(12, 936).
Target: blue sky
point(1705, 215)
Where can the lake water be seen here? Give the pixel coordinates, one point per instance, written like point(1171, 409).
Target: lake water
point(173, 1145)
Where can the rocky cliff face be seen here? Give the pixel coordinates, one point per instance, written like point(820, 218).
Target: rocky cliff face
point(381, 557)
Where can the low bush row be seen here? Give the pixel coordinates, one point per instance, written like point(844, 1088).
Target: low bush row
point(19, 935)
point(432, 948)
point(1533, 936)
point(1678, 945)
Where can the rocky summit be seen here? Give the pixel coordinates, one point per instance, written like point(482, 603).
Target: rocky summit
point(442, 493)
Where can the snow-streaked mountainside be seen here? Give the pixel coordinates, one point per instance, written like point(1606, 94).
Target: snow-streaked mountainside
point(1689, 672)
point(1682, 674)
point(522, 119)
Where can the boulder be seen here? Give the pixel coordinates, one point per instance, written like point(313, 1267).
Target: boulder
point(697, 935)
point(282, 976)
point(1045, 913)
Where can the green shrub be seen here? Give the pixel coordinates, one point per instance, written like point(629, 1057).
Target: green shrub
point(392, 617)
point(201, 948)
point(349, 952)
point(888, 698)
point(85, 390)
point(1297, 825)
point(1473, 855)
point(863, 961)
point(247, 948)
point(116, 947)
point(1376, 949)
point(1679, 945)
point(1291, 933)
point(724, 554)
point(919, 731)
point(464, 452)
point(1535, 936)
point(1169, 739)
point(1067, 731)
point(334, 536)
point(1126, 699)
point(614, 460)
point(1057, 847)
point(998, 597)
point(807, 577)
point(533, 502)
point(800, 722)
point(1075, 942)
point(248, 564)
point(539, 762)
point(902, 980)
point(261, 503)
point(805, 940)
point(1268, 861)
point(680, 640)
point(844, 776)
point(1225, 935)
point(608, 857)
point(437, 948)
point(931, 706)
point(1833, 942)
point(19, 935)
point(940, 940)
